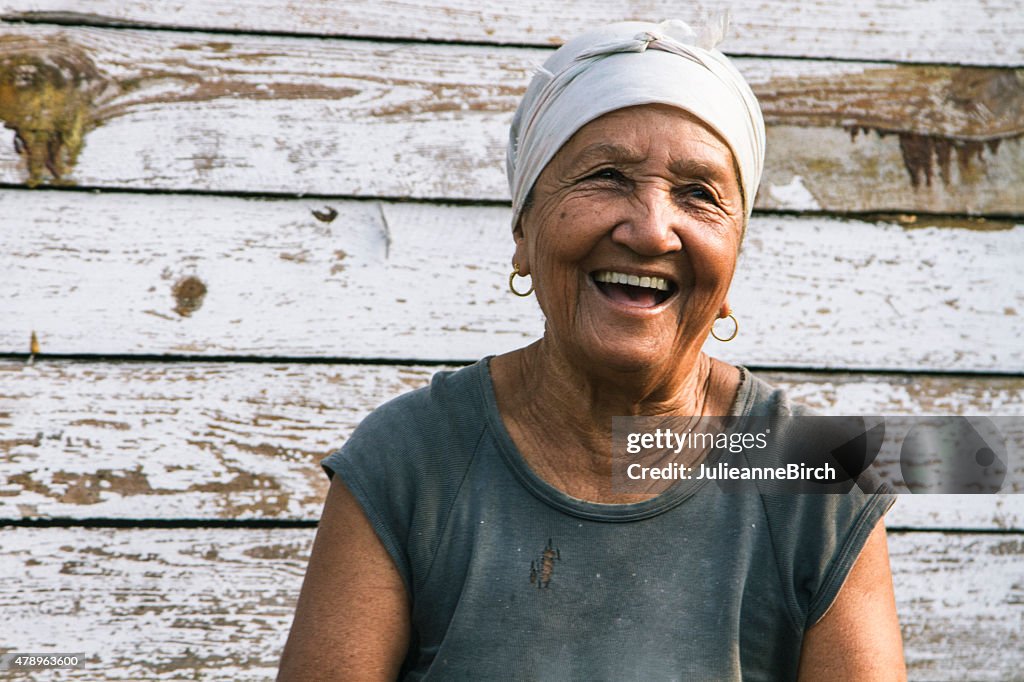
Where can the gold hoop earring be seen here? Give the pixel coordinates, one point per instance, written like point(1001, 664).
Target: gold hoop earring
point(511, 282)
point(734, 331)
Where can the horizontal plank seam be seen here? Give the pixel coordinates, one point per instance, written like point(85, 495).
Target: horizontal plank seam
point(951, 530)
point(85, 21)
point(156, 523)
point(226, 359)
point(267, 195)
point(868, 216)
point(312, 523)
point(454, 362)
point(119, 24)
point(73, 20)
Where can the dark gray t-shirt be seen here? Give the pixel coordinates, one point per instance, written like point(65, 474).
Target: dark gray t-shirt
point(512, 579)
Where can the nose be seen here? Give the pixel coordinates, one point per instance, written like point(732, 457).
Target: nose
point(651, 224)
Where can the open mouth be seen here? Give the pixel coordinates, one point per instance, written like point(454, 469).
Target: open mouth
point(638, 291)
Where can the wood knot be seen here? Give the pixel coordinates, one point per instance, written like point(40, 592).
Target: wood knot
point(188, 295)
point(327, 215)
point(994, 96)
point(47, 93)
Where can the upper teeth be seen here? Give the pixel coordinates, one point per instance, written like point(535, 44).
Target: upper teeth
point(633, 280)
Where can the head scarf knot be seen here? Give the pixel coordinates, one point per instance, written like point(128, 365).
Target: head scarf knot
point(628, 64)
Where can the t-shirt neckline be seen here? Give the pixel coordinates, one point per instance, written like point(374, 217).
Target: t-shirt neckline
point(679, 492)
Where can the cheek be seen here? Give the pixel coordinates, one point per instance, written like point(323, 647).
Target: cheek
point(566, 235)
point(713, 253)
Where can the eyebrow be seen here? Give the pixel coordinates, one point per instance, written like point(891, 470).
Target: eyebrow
point(696, 168)
point(684, 168)
point(607, 151)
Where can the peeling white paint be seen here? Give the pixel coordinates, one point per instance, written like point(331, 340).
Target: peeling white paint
point(173, 604)
point(940, 31)
point(793, 196)
point(431, 121)
point(242, 440)
point(808, 291)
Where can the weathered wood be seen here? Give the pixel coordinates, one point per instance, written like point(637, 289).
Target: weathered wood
point(242, 440)
point(173, 440)
point(153, 604)
point(157, 110)
point(212, 276)
point(217, 603)
point(145, 274)
point(955, 512)
point(949, 590)
point(966, 32)
point(877, 394)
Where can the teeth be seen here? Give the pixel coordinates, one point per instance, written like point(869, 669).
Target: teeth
point(609, 277)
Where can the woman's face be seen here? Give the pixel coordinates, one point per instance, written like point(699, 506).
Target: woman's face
point(631, 238)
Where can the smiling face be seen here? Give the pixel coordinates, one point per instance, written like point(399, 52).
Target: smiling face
point(631, 238)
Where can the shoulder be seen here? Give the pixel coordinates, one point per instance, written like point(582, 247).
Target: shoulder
point(757, 397)
point(444, 416)
point(406, 460)
point(817, 530)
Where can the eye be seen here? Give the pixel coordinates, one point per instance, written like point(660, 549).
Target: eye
point(698, 193)
point(607, 173)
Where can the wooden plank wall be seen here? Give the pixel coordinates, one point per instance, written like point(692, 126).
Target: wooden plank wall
point(234, 228)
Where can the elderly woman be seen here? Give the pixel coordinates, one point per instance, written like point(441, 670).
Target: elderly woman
point(472, 530)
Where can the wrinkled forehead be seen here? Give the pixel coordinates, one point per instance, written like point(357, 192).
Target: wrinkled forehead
point(626, 65)
point(634, 135)
point(646, 139)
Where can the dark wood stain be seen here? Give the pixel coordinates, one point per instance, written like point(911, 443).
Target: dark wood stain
point(938, 113)
point(85, 489)
point(327, 215)
point(919, 151)
point(189, 293)
point(48, 93)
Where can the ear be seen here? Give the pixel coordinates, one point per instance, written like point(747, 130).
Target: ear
point(521, 255)
point(724, 311)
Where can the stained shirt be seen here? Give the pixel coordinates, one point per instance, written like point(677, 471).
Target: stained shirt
point(511, 579)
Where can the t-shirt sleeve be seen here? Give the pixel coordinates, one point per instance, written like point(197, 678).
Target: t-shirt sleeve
point(405, 463)
point(371, 468)
point(817, 539)
point(818, 535)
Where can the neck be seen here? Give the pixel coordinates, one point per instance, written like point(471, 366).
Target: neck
point(557, 388)
point(560, 415)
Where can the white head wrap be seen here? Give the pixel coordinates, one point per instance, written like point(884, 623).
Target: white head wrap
point(627, 64)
